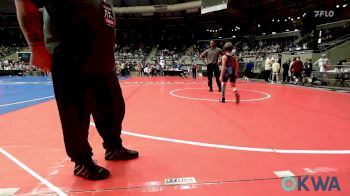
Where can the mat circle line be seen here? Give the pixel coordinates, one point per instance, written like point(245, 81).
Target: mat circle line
point(267, 96)
point(230, 147)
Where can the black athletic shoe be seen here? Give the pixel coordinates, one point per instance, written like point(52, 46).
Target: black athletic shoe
point(121, 154)
point(89, 170)
point(222, 100)
point(211, 89)
point(238, 98)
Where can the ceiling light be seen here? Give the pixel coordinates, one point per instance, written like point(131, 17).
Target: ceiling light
point(337, 6)
point(345, 5)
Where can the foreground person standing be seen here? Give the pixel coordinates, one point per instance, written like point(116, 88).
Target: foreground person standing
point(79, 37)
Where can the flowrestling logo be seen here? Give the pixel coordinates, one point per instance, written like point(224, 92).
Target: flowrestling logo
point(311, 183)
point(323, 13)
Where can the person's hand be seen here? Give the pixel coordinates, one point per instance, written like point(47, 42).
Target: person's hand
point(41, 58)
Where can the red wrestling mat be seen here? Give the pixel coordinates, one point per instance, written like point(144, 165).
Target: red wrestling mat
point(182, 130)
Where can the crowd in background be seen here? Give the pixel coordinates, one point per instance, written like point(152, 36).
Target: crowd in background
point(334, 33)
point(298, 72)
point(5, 51)
point(132, 58)
point(277, 45)
point(22, 68)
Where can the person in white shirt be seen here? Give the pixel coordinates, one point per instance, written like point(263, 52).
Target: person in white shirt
point(321, 62)
point(275, 70)
point(268, 64)
point(146, 71)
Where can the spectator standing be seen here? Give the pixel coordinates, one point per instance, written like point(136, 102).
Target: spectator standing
point(248, 70)
point(321, 62)
point(296, 70)
point(285, 74)
point(195, 68)
point(268, 66)
point(275, 70)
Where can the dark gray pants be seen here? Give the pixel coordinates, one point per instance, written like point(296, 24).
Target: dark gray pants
point(79, 95)
point(210, 69)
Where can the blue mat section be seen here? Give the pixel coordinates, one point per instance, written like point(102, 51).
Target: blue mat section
point(21, 92)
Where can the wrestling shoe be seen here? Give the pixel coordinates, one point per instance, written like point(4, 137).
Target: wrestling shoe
point(91, 171)
point(238, 97)
point(222, 100)
point(121, 154)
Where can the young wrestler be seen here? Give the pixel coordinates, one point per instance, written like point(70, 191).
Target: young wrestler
point(230, 67)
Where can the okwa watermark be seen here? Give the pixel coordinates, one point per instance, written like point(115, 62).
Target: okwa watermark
point(311, 183)
point(323, 13)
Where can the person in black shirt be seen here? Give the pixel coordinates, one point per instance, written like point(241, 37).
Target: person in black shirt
point(79, 37)
point(307, 71)
point(285, 73)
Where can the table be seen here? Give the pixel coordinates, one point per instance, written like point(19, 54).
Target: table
point(173, 72)
point(10, 72)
